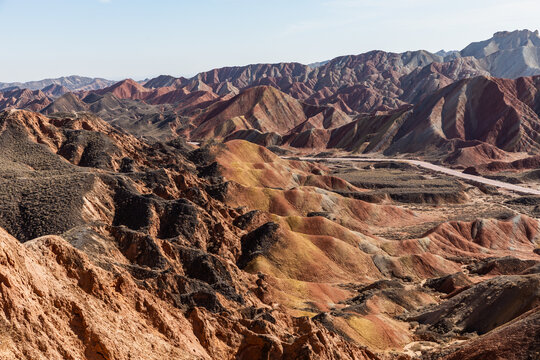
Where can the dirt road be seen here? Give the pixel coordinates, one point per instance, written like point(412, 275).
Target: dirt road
point(437, 168)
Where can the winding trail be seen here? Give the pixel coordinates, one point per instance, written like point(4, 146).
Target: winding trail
point(437, 168)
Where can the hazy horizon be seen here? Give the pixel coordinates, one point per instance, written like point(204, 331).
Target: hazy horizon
point(117, 39)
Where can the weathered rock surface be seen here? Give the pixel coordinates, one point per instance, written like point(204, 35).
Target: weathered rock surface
point(104, 255)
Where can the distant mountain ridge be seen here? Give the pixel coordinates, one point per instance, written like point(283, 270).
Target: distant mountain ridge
point(72, 83)
point(379, 80)
point(507, 54)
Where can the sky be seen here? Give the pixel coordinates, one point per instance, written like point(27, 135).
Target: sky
point(139, 39)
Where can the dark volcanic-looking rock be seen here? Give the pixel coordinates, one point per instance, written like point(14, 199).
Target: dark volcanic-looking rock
point(484, 306)
point(501, 266)
point(449, 283)
point(324, 214)
point(258, 242)
point(509, 342)
point(139, 248)
point(245, 220)
point(88, 149)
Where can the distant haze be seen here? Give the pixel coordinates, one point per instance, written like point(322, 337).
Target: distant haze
point(117, 39)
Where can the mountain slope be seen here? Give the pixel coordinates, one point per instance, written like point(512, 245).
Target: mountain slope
point(126, 89)
point(480, 109)
point(472, 120)
point(66, 103)
point(264, 109)
point(23, 99)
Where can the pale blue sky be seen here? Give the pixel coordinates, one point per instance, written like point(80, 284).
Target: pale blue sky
point(144, 38)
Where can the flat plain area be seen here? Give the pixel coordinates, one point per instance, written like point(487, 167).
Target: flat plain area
point(439, 197)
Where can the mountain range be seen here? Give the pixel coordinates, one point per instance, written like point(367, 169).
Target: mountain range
point(349, 102)
point(378, 206)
